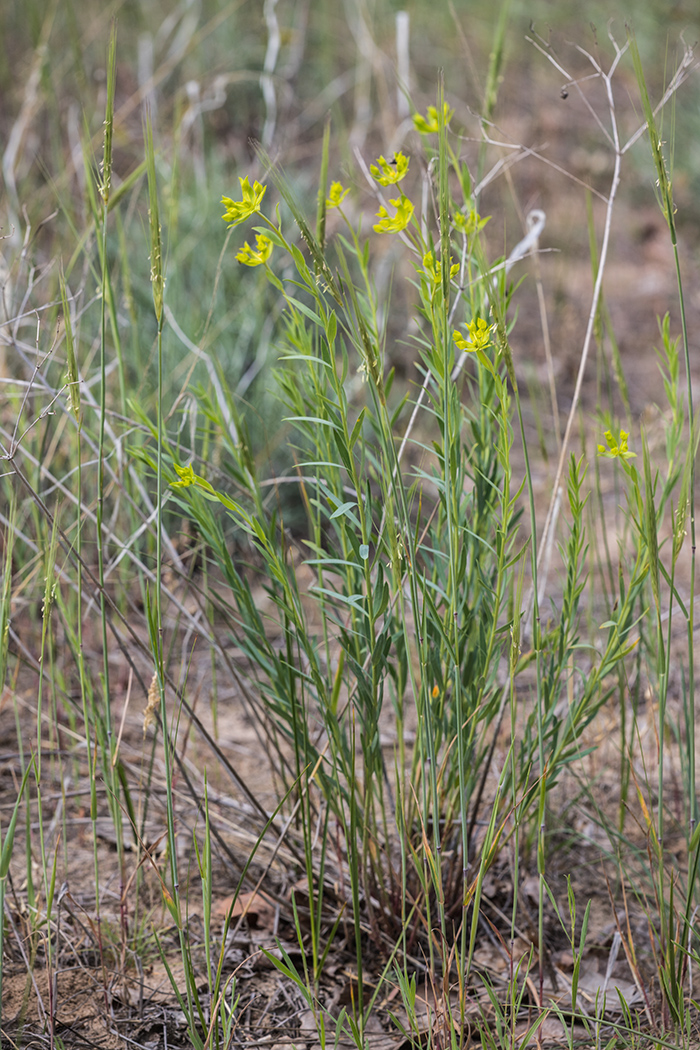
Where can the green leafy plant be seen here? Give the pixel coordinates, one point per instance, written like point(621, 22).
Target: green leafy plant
point(359, 538)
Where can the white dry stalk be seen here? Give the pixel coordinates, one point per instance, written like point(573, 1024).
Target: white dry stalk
point(15, 322)
point(548, 530)
point(6, 291)
point(73, 132)
point(369, 58)
point(214, 97)
point(16, 438)
point(297, 43)
point(267, 84)
point(183, 24)
point(618, 151)
point(403, 64)
point(530, 151)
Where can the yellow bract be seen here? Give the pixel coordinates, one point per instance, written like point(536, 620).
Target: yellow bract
point(188, 477)
point(387, 224)
point(256, 257)
point(479, 336)
point(616, 448)
point(429, 124)
point(239, 211)
point(388, 173)
point(433, 268)
point(336, 195)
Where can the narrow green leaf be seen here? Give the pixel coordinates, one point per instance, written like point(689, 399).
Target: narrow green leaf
point(6, 853)
point(343, 509)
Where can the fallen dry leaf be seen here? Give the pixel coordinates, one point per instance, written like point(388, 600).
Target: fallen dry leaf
point(258, 912)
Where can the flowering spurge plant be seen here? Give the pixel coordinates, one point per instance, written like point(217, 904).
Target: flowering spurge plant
point(238, 211)
point(399, 221)
point(400, 604)
point(616, 448)
point(258, 255)
point(251, 199)
point(478, 341)
point(337, 195)
point(370, 536)
point(387, 173)
point(429, 124)
point(363, 567)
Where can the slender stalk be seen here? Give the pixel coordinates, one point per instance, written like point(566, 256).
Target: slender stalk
point(595, 299)
point(103, 726)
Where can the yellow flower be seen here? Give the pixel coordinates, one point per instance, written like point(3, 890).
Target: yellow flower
point(429, 125)
point(616, 449)
point(252, 257)
point(188, 477)
point(433, 268)
point(479, 336)
point(387, 173)
point(404, 211)
point(336, 196)
point(239, 211)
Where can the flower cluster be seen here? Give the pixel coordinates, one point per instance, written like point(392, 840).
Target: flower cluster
point(388, 173)
point(433, 268)
point(479, 336)
point(256, 256)
point(387, 224)
point(238, 211)
point(188, 477)
point(616, 448)
point(429, 124)
point(336, 195)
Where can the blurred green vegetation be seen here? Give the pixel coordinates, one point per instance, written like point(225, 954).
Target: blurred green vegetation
point(198, 66)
